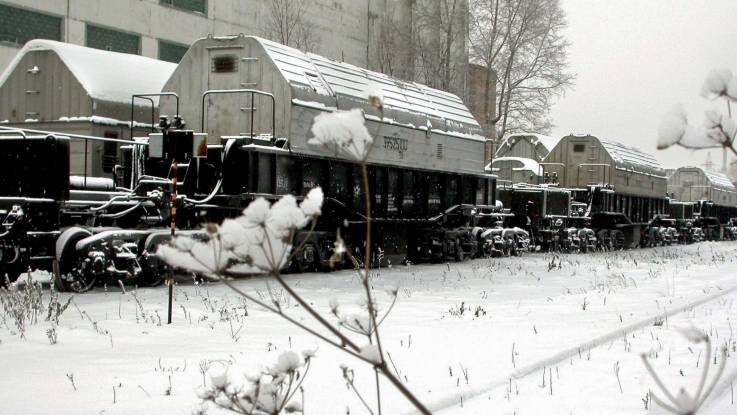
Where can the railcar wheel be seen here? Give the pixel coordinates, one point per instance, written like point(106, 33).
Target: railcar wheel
point(71, 263)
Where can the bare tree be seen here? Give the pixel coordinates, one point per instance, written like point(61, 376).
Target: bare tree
point(522, 41)
point(439, 42)
point(284, 24)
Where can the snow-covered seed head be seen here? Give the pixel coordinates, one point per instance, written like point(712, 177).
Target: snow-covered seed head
point(312, 204)
point(308, 354)
point(716, 83)
point(342, 132)
point(219, 377)
point(672, 127)
point(287, 362)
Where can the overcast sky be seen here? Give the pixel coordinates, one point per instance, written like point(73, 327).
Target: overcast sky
point(634, 59)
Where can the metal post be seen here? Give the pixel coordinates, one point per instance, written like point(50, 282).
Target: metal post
point(173, 225)
point(85, 163)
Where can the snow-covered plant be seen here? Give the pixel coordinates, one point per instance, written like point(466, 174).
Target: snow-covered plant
point(21, 306)
point(718, 129)
point(685, 403)
point(344, 133)
point(257, 242)
point(260, 241)
point(269, 392)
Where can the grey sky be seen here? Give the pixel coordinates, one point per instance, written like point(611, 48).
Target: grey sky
point(635, 59)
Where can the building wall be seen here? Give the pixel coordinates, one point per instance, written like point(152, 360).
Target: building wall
point(344, 29)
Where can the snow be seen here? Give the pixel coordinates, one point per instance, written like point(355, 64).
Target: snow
point(342, 132)
point(716, 82)
point(105, 75)
point(525, 164)
point(631, 156)
point(313, 104)
point(675, 129)
point(492, 361)
point(546, 141)
point(96, 119)
point(254, 243)
point(98, 183)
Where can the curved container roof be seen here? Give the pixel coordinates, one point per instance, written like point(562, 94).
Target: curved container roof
point(534, 138)
point(628, 158)
point(403, 101)
point(105, 75)
point(715, 179)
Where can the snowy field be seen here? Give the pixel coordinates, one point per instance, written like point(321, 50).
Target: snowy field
point(531, 335)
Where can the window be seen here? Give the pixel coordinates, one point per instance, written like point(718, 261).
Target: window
point(579, 148)
point(198, 6)
point(20, 25)
point(108, 39)
point(224, 63)
point(171, 52)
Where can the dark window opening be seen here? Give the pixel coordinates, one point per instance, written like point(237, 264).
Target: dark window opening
point(198, 6)
point(171, 52)
point(225, 63)
point(112, 40)
point(579, 148)
point(21, 25)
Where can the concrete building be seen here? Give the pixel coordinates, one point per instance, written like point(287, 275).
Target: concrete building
point(353, 31)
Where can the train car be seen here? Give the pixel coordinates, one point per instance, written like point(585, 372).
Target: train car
point(622, 188)
point(426, 158)
point(518, 158)
point(72, 89)
point(712, 195)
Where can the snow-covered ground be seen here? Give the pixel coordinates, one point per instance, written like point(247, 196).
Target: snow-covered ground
point(507, 336)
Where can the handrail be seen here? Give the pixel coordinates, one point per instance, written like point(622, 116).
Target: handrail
point(13, 130)
point(253, 93)
point(149, 97)
point(76, 136)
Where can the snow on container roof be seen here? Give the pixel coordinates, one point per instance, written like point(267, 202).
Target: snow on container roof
point(547, 141)
point(631, 156)
point(105, 75)
point(720, 180)
point(331, 78)
point(526, 164)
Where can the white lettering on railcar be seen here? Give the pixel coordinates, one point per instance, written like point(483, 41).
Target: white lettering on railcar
point(396, 144)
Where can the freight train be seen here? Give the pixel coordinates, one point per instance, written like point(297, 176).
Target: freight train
point(251, 103)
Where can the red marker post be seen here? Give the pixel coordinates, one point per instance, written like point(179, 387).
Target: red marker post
point(173, 225)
